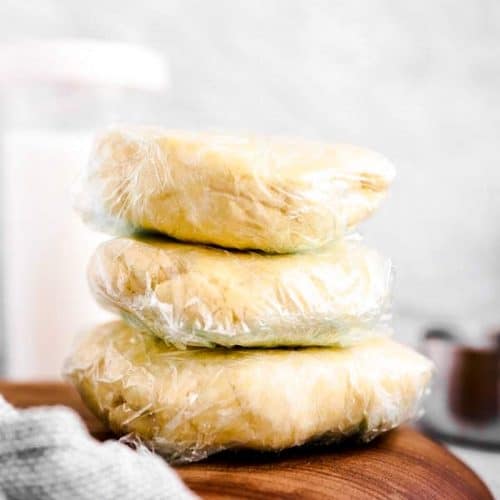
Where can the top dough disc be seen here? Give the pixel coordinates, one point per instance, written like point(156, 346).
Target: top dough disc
point(275, 195)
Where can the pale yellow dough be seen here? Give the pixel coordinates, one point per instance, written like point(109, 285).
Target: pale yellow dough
point(204, 296)
point(271, 194)
point(191, 403)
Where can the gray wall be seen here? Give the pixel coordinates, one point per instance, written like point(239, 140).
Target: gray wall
point(418, 81)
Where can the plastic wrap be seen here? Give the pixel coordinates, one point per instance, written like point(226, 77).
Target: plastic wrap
point(275, 195)
point(204, 296)
point(187, 404)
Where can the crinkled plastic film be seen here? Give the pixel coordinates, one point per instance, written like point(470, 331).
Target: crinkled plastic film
point(276, 195)
point(205, 296)
point(187, 404)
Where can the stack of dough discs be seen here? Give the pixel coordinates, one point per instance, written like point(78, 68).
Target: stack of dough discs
point(276, 195)
point(205, 296)
point(260, 259)
point(189, 403)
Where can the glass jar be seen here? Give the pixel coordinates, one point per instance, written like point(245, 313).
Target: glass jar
point(53, 95)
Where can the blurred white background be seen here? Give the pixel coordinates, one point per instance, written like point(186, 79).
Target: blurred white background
point(418, 81)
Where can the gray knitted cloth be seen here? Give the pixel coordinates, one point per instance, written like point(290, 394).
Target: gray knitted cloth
point(46, 453)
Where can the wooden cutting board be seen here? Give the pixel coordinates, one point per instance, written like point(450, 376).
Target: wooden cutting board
point(403, 464)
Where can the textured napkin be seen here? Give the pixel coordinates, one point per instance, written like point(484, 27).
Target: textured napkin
point(46, 453)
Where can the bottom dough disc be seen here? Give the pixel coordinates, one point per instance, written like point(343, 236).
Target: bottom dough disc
point(187, 404)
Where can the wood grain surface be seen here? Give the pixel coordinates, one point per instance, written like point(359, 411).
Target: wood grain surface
point(403, 464)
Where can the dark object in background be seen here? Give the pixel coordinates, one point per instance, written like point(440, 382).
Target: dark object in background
point(464, 404)
point(473, 389)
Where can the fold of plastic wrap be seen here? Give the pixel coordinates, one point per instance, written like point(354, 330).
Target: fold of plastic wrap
point(187, 404)
point(276, 195)
point(191, 295)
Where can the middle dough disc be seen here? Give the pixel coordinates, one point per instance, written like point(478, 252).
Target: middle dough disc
point(191, 295)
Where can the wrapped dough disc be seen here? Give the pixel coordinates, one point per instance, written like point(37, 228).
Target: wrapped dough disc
point(191, 403)
point(275, 195)
point(205, 296)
